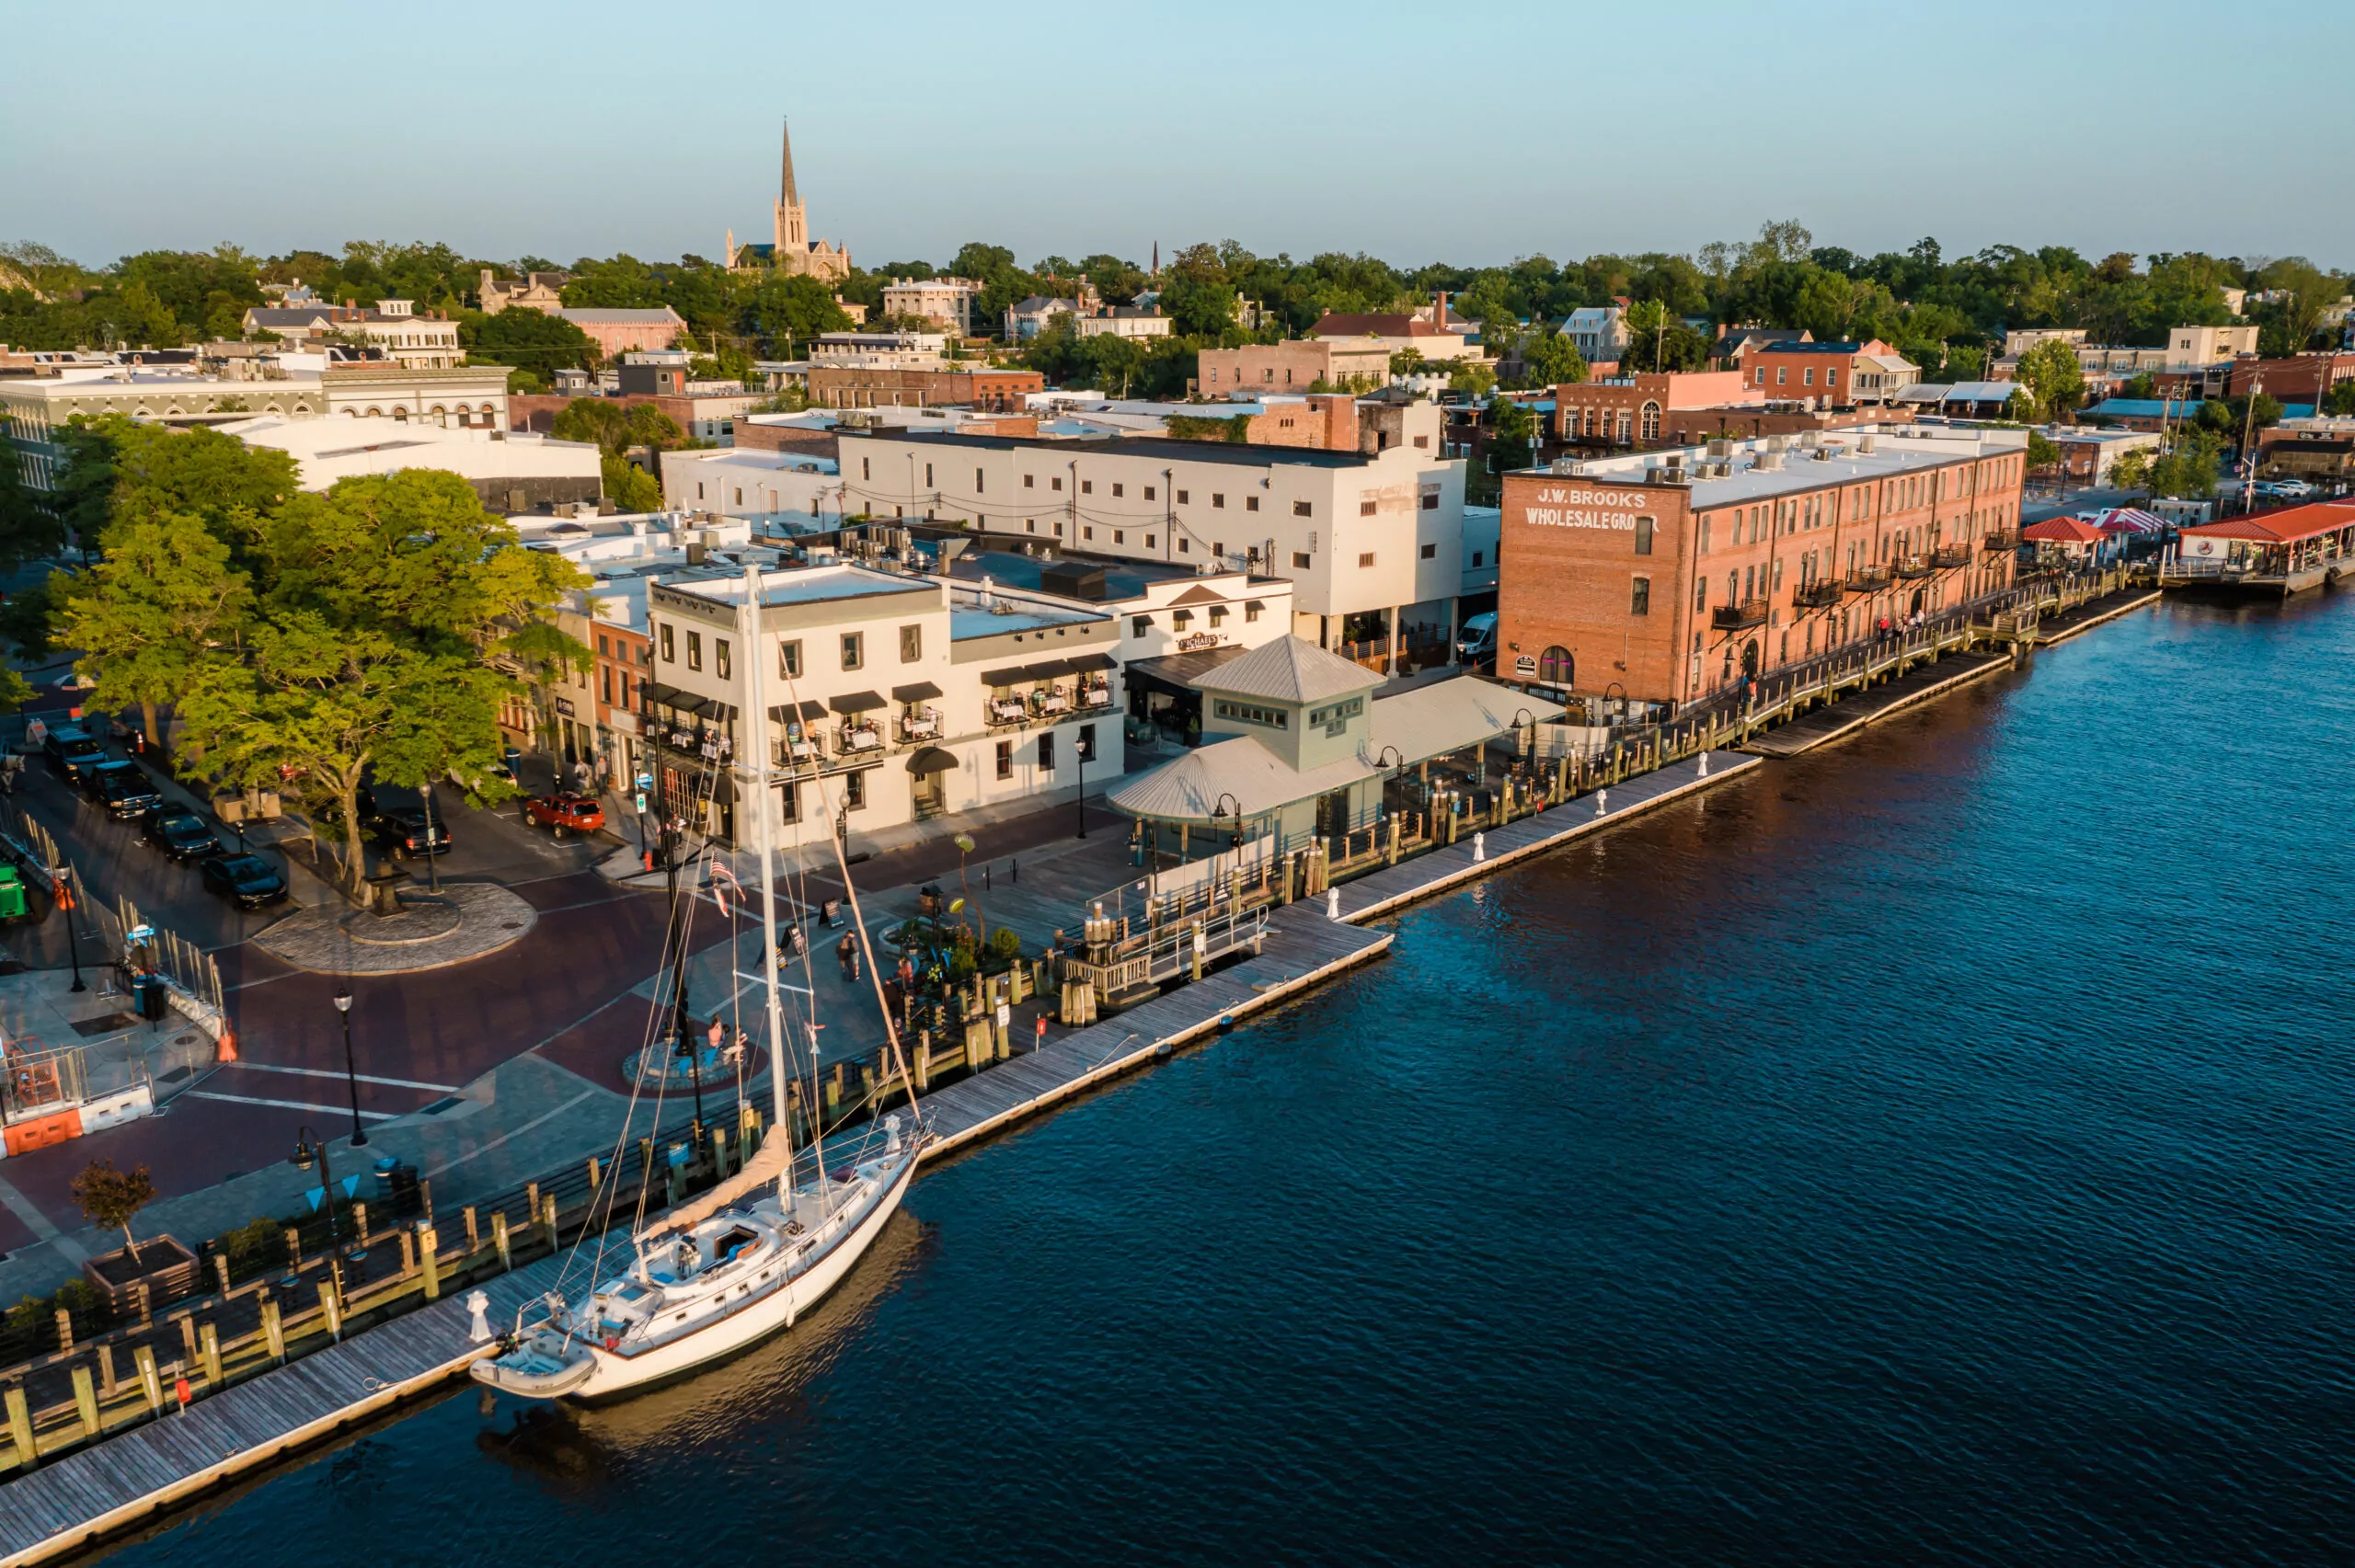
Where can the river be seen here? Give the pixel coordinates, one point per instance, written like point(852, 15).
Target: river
point(1934, 1149)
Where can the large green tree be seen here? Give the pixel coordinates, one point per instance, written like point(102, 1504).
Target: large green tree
point(2053, 378)
point(149, 616)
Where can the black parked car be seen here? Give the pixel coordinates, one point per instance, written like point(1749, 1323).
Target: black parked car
point(246, 880)
point(72, 751)
point(122, 787)
point(401, 831)
point(180, 834)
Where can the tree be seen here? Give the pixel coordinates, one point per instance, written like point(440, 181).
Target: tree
point(384, 600)
point(111, 1199)
point(2132, 471)
point(2052, 377)
point(531, 339)
point(615, 427)
point(1512, 440)
point(627, 485)
point(2143, 386)
point(27, 620)
point(2340, 401)
point(146, 617)
point(1470, 377)
point(782, 310)
point(2268, 414)
point(2042, 453)
point(1552, 361)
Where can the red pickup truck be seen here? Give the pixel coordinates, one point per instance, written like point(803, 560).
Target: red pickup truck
point(573, 813)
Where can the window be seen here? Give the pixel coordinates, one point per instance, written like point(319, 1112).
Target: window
point(1148, 540)
point(1185, 545)
point(1806, 377)
point(1047, 752)
point(1030, 481)
point(720, 658)
point(1056, 483)
point(605, 645)
point(927, 476)
point(854, 789)
point(1365, 508)
point(977, 481)
point(1781, 375)
point(1181, 496)
point(1251, 611)
point(1251, 713)
point(1140, 624)
point(695, 650)
point(1218, 498)
point(1218, 548)
point(1250, 503)
point(1705, 536)
point(1181, 619)
point(1300, 560)
point(1422, 441)
point(1555, 667)
point(1475, 557)
point(854, 649)
point(865, 472)
point(789, 801)
point(1761, 375)
point(1429, 552)
point(1700, 595)
point(1088, 487)
point(1431, 500)
point(605, 683)
point(1030, 525)
point(1148, 492)
point(788, 659)
point(1087, 531)
point(670, 655)
point(911, 644)
point(1640, 601)
point(1644, 526)
point(1300, 508)
point(1366, 558)
point(1652, 421)
point(1337, 714)
point(1120, 489)
point(1005, 759)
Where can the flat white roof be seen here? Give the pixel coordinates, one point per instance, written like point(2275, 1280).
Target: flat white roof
point(1895, 452)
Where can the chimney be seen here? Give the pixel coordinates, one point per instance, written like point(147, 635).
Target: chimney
point(1439, 314)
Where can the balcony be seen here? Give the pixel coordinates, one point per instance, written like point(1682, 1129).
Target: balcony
point(1005, 709)
point(1914, 567)
point(922, 724)
point(856, 738)
point(1738, 617)
point(1816, 594)
point(1869, 580)
point(1946, 557)
point(1095, 696)
point(795, 749)
point(2004, 539)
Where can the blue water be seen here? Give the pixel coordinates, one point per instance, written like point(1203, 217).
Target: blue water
point(1932, 1151)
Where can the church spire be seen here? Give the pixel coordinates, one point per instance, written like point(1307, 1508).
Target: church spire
point(787, 195)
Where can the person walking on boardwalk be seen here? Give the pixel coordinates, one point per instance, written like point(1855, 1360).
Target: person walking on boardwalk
point(846, 950)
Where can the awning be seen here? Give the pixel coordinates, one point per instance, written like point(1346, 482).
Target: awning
point(1254, 604)
point(1087, 663)
point(671, 697)
point(921, 692)
point(857, 702)
point(930, 760)
point(786, 713)
point(1449, 715)
point(1013, 675)
point(1047, 670)
point(1179, 670)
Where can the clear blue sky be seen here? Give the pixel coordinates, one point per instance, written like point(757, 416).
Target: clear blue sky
point(1471, 133)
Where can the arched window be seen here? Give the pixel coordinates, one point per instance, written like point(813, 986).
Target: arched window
point(466, 418)
point(1555, 667)
point(1652, 421)
point(401, 415)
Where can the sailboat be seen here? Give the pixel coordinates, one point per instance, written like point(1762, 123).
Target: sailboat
point(747, 1259)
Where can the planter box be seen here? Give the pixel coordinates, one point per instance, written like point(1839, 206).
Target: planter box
point(169, 1270)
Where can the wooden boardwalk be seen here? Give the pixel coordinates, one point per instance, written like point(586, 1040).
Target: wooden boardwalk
point(112, 1486)
point(2093, 613)
point(1835, 721)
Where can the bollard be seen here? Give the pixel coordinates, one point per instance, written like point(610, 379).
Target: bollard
point(1332, 903)
point(547, 1222)
point(359, 1222)
point(428, 1245)
point(1479, 848)
point(478, 1318)
point(144, 1357)
point(1602, 802)
point(425, 1198)
point(273, 1329)
point(221, 1271)
point(106, 1371)
point(498, 1238)
point(532, 1200)
point(1705, 766)
point(187, 1339)
point(20, 1428)
point(719, 1153)
point(294, 1249)
point(594, 1173)
point(209, 1341)
point(86, 1402)
point(64, 1331)
point(331, 1309)
point(473, 1238)
point(408, 1255)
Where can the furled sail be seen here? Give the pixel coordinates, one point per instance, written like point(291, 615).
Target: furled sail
point(773, 1161)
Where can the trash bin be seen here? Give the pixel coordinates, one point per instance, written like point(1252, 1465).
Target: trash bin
point(397, 1191)
point(148, 991)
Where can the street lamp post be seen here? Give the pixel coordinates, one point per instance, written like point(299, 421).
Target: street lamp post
point(64, 876)
point(351, 1069)
point(310, 1150)
point(1084, 744)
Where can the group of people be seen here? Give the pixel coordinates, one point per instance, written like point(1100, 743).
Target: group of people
point(1890, 627)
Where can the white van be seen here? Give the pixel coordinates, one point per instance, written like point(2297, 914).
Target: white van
point(1477, 643)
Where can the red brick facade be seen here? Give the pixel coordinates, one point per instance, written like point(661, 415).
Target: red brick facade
point(1608, 582)
point(838, 386)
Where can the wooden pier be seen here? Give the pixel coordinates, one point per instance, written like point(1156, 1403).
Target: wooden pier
point(1821, 727)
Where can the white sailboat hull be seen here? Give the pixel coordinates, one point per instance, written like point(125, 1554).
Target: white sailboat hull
point(616, 1372)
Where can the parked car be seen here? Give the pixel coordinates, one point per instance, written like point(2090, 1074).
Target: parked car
point(180, 834)
point(401, 831)
point(72, 751)
point(122, 787)
point(567, 812)
point(246, 880)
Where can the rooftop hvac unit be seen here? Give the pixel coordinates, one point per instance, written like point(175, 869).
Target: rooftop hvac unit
point(1777, 445)
point(1770, 460)
point(1562, 465)
point(1865, 445)
point(1720, 448)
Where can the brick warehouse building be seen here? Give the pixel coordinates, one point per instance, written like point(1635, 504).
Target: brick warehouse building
point(843, 386)
point(1670, 576)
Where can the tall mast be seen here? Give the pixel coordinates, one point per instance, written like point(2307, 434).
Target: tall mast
point(756, 748)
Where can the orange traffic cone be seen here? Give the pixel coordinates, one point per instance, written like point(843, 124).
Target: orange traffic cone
point(226, 1047)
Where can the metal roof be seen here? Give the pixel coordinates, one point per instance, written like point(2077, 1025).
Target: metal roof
point(1189, 789)
point(1291, 669)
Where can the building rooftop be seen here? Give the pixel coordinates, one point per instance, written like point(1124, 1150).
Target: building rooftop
point(1897, 450)
point(2286, 526)
point(1291, 669)
point(797, 585)
point(1123, 579)
point(1153, 446)
point(621, 317)
point(973, 613)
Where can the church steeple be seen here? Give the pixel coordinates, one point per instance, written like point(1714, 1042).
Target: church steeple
point(792, 221)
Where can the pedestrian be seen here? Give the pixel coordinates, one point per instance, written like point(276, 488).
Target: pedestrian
point(1013, 871)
